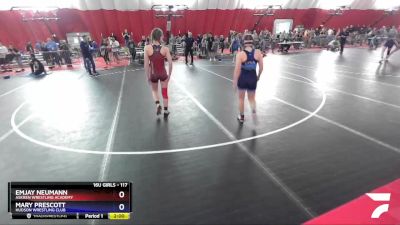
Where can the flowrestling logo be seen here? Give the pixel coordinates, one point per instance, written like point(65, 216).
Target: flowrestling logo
point(378, 206)
point(380, 197)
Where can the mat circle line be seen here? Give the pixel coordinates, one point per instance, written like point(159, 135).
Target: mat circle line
point(151, 152)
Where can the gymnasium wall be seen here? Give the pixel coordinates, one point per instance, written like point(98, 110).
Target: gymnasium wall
point(14, 31)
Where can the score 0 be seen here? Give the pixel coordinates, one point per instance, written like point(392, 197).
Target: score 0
point(121, 195)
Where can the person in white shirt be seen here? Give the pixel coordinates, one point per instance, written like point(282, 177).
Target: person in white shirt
point(334, 45)
point(3, 54)
point(330, 32)
point(115, 49)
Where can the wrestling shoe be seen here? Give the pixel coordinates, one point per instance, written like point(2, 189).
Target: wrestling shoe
point(240, 118)
point(159, 109)
point(166, 113)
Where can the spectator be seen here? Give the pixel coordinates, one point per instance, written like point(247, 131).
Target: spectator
point(172, 42)
point(52, 47)
point(312, 36)
point(65, 53)
point(235, 45)
point(222, 44)
point(210, 40)
point(37, 67)
point(132, 49)
point(263, 41)
point(29, 48)
point(256, 40)
point(115, 49)
point(112, 35)
point(126, 36)
point(334, 45)
point(143, 42)
point(104, 50)
point(330, 36)
point(214, 48)
point(45, 53)
point(15, 54)
point(94, 48)
point(241, 40)
point(179, 39)
point(203, 45)
point(55, 38)
point(183, 42)
point(38, 46)
point(198, 42)
point(3, 54)
point(372, 39)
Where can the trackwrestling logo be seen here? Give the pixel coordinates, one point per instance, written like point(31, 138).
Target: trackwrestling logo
point(379, 197)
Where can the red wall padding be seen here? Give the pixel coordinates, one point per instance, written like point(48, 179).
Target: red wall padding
point(14, 31)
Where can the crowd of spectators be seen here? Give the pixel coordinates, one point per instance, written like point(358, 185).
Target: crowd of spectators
point(53, 51)
point(321, 37)
point(7, 54)
point(208, 45)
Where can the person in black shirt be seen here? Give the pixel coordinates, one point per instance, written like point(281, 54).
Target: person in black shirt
point(222, 44)
point(45, 52)
point(104, 50)
point(37, 67)
point(343, 36)
point(189, 48)
point(132, 49)
point(285, 47)
point(143, 42)
point(65, 53)
point(209, 41)
point(29, 48)
point(126, 36)
point(199, 39)
point(350, 29)
point(112, 35)
point(87, 56)
point(15, 54)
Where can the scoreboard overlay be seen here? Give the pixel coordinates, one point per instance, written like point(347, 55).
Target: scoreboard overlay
point(70, 200)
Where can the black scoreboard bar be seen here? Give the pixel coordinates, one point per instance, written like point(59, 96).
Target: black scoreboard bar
point(70, 200)
point(89, 216)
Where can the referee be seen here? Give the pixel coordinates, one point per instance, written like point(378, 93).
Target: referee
point(189, 48)
point(343, 37)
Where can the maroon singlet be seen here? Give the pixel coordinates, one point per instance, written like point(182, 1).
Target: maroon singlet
point(157, 65)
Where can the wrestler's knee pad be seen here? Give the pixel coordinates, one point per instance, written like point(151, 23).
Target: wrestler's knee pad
point(164, 92)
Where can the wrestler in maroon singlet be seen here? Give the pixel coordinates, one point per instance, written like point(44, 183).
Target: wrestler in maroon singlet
point(154, 65)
